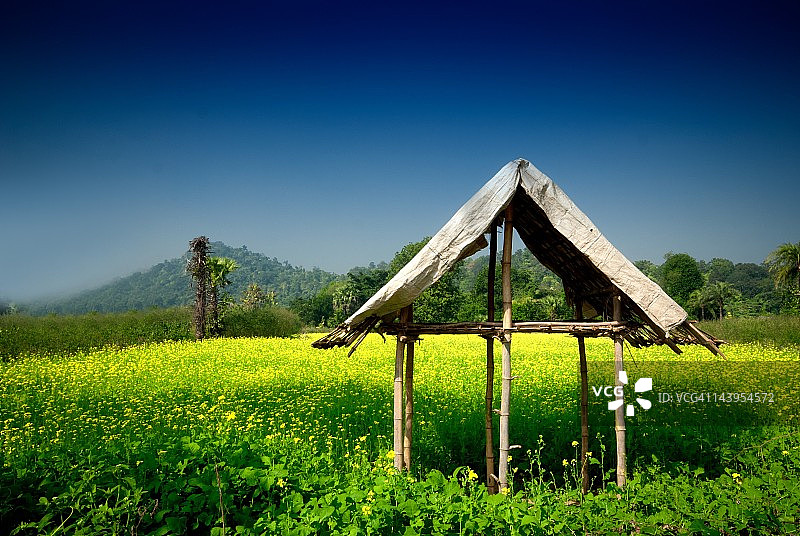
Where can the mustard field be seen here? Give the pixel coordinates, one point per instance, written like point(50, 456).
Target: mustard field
point(271, 436)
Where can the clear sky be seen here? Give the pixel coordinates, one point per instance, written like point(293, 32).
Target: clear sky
point(332, 134)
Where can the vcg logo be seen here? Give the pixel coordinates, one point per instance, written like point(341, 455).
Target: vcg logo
point(642, 385)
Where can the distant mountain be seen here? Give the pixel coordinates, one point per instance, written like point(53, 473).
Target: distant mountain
point(167, 284)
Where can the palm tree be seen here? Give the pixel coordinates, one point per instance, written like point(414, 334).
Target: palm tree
point(698, 300)
point(198, 269)
point(720, 294)
point(784, 265)
point(219, 268)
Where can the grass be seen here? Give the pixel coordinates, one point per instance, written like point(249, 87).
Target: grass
point(70, 334)
point(780, 330)
point(271, 436)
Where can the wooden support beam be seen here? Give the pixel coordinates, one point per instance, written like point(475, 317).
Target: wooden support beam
point(491, 482)
point(587, 329)
point(505, 402)
point(584, 383)
point(398, 402)
point(619, 413)
point(407, 315)
point(703, 339)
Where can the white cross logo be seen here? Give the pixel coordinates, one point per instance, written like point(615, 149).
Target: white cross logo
point(642, 385)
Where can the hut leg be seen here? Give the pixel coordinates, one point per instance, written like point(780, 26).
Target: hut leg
point(409, 388)
point(398, 402)
point(584, 402)
point(505, 402)
point(619, 413)
point(491, 482)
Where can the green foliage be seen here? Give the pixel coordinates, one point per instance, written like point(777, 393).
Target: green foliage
point(681, 276)
point(749, 279)
point(219, 269)
point(719, 270)
point(317, 310)
point(353, 292)
point(649, 269)
point(784, 266)
point(716, 299)
point(67, 334)
point(271, 437)
point(254, 297)
point(779, 330)
point(22, 335)
point(441, 302)
point(265, 321)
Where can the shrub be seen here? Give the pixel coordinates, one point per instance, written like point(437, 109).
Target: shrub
point(267, 321)
point(781, 330)
point(69, 334)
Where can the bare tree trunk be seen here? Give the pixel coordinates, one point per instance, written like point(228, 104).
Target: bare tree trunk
point(198, 268)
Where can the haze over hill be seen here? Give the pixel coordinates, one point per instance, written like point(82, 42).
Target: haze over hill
point(167, 284)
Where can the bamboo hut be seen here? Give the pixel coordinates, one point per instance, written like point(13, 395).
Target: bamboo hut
point(611, 297)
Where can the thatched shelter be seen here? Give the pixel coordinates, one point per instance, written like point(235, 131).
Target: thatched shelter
point(616, 299)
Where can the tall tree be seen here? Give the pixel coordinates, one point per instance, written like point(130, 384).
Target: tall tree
point(700, 300)
point(681, 276)
point(254, 297)
point(198, 269)
point(784, 266)
point(719, 270)
point(721, 294)
point(219, 268)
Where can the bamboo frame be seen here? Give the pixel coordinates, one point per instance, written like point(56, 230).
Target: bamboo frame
point(619, 413)
point(398, 403)
point(491, 482)
point(496, 329)
point(408, 313)
point(505, 401)
point(584, 383)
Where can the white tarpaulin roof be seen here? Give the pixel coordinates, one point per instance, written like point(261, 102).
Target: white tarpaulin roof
point(557, 233)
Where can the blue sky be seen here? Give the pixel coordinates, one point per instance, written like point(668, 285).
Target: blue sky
point(332, 134)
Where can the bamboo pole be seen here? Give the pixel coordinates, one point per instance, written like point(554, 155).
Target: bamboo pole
point(407, 315)
point(398, 402)
point(584, 378)
point(491, 483)
point(619, 413)
point(505, 402)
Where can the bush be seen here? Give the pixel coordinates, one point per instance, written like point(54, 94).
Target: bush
point(267, 321)
point(781, 330)
point(69, 334)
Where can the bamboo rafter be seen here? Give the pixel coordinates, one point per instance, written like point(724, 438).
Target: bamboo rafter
point(492, 329)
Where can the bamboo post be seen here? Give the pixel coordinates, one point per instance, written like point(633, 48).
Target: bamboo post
point(407, 315)
point(505, 402)
point(619, 413)
point(584, 379)
point(398, 401)
point(491, 483)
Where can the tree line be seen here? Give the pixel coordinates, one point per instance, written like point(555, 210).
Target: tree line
point(706, 290)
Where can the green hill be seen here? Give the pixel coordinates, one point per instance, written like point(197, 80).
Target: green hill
point(167, 284)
